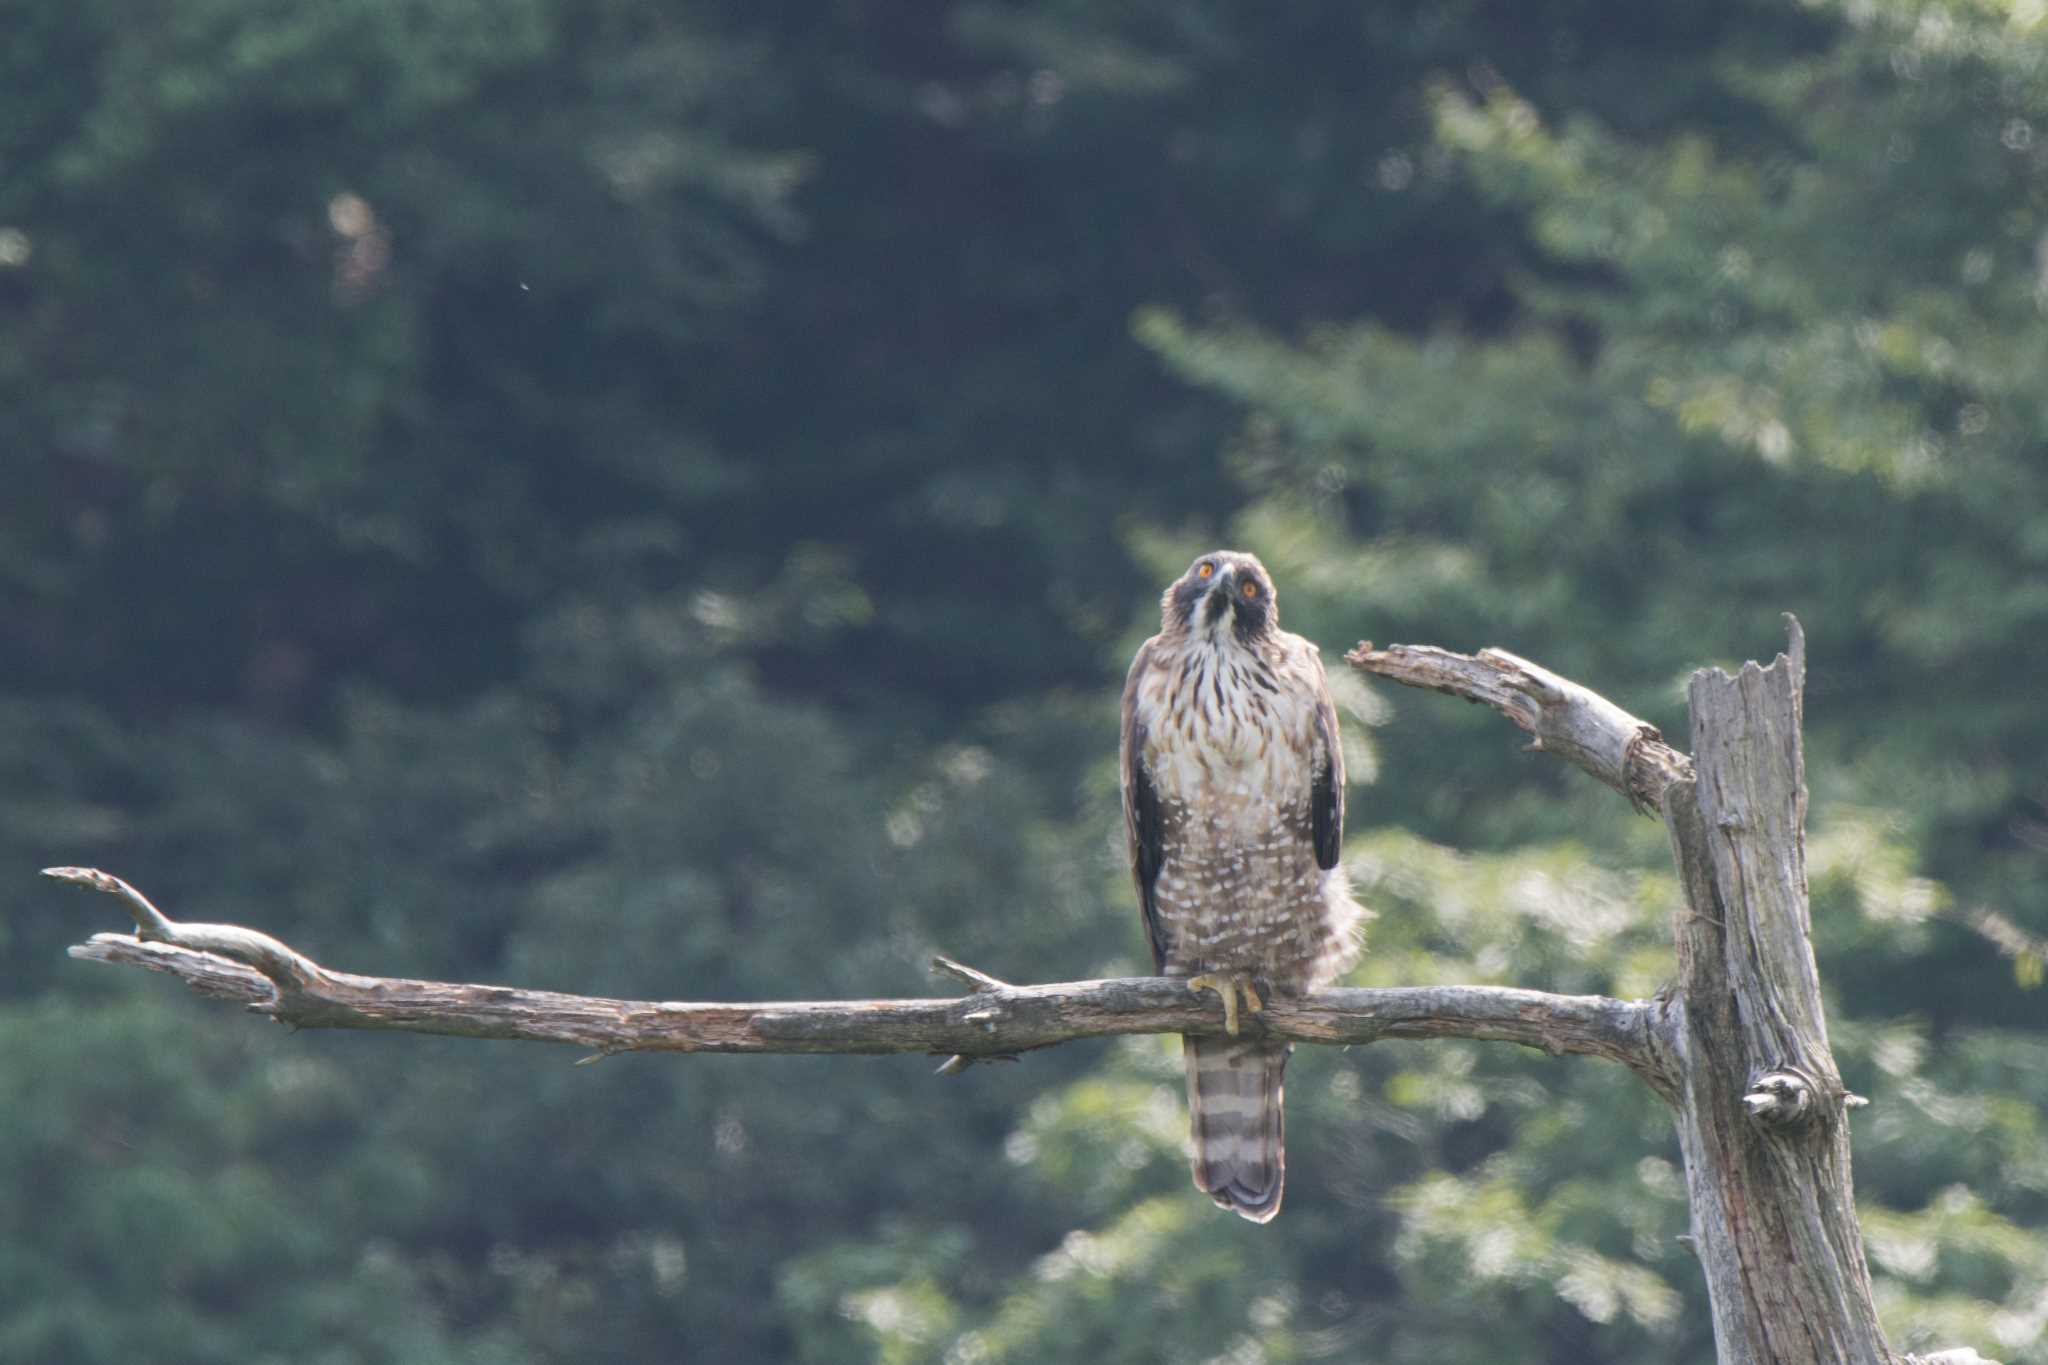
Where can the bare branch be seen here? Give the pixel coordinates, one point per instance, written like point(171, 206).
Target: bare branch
point(960, 971)
point(976, 981)
point(1578, 725)
point(290, 972)
point(996, 1019)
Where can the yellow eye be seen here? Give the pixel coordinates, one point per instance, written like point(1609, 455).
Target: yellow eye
point(1251, 589)
point(1204, 570)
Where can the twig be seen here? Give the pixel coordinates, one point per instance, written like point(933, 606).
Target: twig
point(977, 982)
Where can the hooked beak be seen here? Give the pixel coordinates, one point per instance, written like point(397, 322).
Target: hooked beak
point(1216, 605)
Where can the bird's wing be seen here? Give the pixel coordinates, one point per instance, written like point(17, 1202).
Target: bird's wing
point(1143, 829)
point(1326, 793)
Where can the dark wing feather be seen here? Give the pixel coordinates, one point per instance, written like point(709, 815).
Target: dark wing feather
point(1326, 798)
point(1143, 829)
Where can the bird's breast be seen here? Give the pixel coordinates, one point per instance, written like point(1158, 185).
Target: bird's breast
point(1225, 724)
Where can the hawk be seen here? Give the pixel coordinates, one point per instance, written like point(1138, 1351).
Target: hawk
point(1233, 787)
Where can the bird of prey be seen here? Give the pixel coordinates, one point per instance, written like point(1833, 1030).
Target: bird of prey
point(1233, 787)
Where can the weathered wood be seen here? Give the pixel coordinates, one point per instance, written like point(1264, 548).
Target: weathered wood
point(1761, 1110)
point(1763, 1116)
point(1575, 723)
point(229, 962)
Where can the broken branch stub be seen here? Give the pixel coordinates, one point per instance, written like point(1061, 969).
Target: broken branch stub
point(1575, 723)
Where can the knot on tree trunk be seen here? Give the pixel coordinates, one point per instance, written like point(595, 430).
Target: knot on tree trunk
point(1787, 1097)
point(1783, 1098)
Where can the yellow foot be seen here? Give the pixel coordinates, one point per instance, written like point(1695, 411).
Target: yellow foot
point(1230, 985)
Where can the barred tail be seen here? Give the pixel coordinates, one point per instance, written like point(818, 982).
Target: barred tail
point(1234, 1111)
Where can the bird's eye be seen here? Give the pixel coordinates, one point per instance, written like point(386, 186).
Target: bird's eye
point(1251, 589)
point(1204, 569)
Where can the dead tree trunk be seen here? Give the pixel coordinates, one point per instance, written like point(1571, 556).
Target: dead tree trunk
point(1763, 1116)
point(1739, 1048)
point(1760, 1108)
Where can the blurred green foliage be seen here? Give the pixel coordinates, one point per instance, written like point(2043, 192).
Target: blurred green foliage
point(656, 500)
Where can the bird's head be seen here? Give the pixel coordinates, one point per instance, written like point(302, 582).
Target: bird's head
point(1223, 593)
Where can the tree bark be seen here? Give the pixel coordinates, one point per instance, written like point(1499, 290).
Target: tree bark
point(228, 962)
point(1763, 1119)
point(1575, 723)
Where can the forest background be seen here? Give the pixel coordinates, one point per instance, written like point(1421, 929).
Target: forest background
point(656, 499)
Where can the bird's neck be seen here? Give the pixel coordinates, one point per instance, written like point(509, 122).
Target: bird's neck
point(1221, 640)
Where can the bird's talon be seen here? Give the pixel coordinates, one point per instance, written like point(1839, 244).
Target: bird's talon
point(1230, 986)
point(1209, 981)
